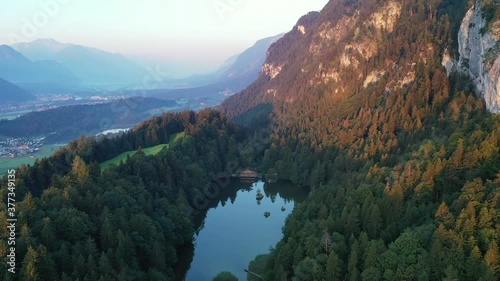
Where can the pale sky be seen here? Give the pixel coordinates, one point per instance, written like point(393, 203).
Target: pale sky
point(197, 32)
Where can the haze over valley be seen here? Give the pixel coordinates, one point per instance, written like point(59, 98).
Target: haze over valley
point(100, 80)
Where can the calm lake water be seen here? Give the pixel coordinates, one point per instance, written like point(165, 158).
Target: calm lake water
point(234, 229)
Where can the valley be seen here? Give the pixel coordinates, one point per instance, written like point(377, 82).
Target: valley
point(16, 157)
point(39, 117)
point(19, 147)
point(370, 131)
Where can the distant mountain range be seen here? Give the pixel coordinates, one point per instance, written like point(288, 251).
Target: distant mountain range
point(233, 76)
point(16, 68)
point(248, 64)
point(10, 93)
point(93, 67)
point(46, 65)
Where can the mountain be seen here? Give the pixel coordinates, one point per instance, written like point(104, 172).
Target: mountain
point(235, 74)
point(385, 110)
point(319, 52)
point(324, 53)
point(40, 49)
point(374, 106)
point(227, 64)
point(18, 69)
point(11, 93)
point(248, 64)
point(92, 66)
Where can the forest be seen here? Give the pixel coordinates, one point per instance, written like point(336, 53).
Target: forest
point(404, 177)
point(405, 180)
point(126, 223)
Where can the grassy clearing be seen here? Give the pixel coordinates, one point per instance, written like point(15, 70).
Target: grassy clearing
point(148, 151)
point(11, 163)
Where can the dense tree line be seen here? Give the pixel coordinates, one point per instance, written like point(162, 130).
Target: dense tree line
point(404, 177)
point(125, 223)
point(405, 181)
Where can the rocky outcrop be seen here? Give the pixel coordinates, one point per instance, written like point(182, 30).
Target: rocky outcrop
point(271, 70)
point(479, 57)
point(387, 16)
point(302, 29)
point(448, 62)
point(373, 77)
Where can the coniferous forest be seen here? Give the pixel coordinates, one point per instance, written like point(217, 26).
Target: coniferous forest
point(404, 171)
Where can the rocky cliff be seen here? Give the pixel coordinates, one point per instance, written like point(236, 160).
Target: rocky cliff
point(331, 55)
point(479, 48)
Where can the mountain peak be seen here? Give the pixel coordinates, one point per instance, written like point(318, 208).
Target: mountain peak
point(40, 49)
point(48, 42)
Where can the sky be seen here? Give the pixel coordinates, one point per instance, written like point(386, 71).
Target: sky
point(197, 33)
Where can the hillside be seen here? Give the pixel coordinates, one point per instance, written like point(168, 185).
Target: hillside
point(147, 151)
point(332, 56)
point(398, 147)
point(126, 223)
point(69, 122)
point(372, 105)
point(11, 93)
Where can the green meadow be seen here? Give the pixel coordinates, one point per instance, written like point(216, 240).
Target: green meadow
point(11, 163)
point(147, 151)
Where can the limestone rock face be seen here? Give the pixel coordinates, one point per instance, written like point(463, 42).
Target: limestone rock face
point(479, 57)
point(449, 63)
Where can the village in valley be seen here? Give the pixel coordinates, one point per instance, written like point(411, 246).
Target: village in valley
point(19, 147)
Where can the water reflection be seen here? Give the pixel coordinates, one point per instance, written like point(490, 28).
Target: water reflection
point(233, 229)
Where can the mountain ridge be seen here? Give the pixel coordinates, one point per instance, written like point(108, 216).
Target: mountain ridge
point(360, 107)
point(234, 75)
point(11, 93)
point(91, 65)
point(16, 68)
point(354, 103)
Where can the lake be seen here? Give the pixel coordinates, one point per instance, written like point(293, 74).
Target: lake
point(234, 229)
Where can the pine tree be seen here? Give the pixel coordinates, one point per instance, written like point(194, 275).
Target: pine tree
point(326, 241)
point(444, 216)
point(451, 274)
point(29, 268)
point(48, 235)
point(333, 267)
point(158, 257)
point(374, 222)
point(492, 258)
point(473, 265)
point(80, 169)
point(352, 266)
